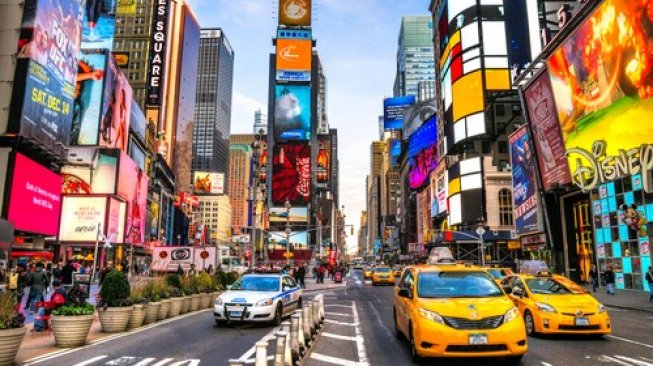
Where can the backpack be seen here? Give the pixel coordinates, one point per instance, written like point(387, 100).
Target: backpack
point(13, 281)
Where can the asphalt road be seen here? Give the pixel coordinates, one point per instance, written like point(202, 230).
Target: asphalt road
point(630, 345)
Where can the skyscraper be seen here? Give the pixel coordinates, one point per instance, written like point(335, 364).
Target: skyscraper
point(239, 180)
point(213, 103)
point(415, 58)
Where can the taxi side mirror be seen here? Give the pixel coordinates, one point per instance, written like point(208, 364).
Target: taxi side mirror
point(404, 292)
point(518, 292)
point(507, 290)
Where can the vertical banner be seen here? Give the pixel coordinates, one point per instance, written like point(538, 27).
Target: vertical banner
point(523, 182)
point(158, 42)
point(546, 132)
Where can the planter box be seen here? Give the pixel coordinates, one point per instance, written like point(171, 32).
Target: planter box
point(137, 316)
point(152, 312)
point(194, 302)
point(114, 320)
point(71, 331)
point(175, 306)
point(10, 340)
point(163, 311)
point(205, 301)
point(185, 305)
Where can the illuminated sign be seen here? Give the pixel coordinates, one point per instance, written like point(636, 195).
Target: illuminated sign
point(208, 183)
point(80, 218)
point(158, 53)
point(291, 174)
point(295, 12)
point(423, 153)
point(393, 111)
point(292, 112)
point(523, 182)
point(294, 59)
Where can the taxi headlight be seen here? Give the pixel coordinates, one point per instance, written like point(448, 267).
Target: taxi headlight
point(430, 315)
point(541, 306)
point(266, 302)
point(510, 315)
point(601, 309)
point(218, 302)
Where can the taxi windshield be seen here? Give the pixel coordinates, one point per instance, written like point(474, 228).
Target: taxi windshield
point(497, 273)
point(552, 286)
point(456, 285)
point(382, 270)
point(256, 283)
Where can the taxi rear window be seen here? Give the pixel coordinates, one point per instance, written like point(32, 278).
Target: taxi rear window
point(382, 270)
point(456, 285)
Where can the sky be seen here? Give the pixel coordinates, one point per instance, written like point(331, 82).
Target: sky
point(357, 44)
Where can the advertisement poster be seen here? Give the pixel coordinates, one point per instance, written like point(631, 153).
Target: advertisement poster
point(50, 73)
point(295, 12)
point(99, 24)
point(208, 183)
point(158, 43)
point(81, 217)
point(115, 229)
point(89, 97)
point(168, 259)
point(423, 153)
point(114, 129)
point(393, 111)
point(296, 214)
point(605, 93)
point(34, 197)
point(291, 174)
point(292, 112)
point(137, 121)
point(104, 173)
point(323, 162)
point(126, 7)
point(546, 132)
point(395, 151)
point(298, 239)
point(132, 186)
point(523, 182)
point(294, 58)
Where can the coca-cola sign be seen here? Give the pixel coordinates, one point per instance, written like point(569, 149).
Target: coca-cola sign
point(291, 174)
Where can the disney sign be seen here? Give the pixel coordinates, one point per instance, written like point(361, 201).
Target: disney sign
point(594, 168)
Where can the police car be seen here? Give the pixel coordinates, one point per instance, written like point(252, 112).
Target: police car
point(258, 298)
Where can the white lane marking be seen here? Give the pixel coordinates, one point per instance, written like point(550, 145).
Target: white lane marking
point(378, 319)
point(340, 323)
point(630, 341)
point(604, 357)
point(338, 336)
point(336, 306)
point(360, 341)
point(546, 364)
point(368, 282)
point(253, 360)
point(337, 314)
point(145, 362)
point(88, 362)
point(124, 360)
point(191, 362)
point(334, 360)
point(634, 361)
point(359, 282)
point(163, 362)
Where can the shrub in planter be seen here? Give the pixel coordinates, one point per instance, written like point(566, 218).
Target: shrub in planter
point(115, 305)
point(176, 301)
point(164, 292)
point(151, 293)
point(173, 281)
point(12, 329)
point(71, 323)
point(138, 314)
point(186, 290)
point(204, 285)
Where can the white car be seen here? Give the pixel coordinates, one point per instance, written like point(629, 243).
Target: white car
point(258, 298)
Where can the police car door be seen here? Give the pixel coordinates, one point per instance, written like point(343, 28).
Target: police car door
point(288, 298)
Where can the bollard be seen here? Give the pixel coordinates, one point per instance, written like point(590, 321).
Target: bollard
point(285, 327)
point(316, 316)
point(280, 350)
point(321, 307)
point(294, 337)
point(235, 363)
point(303, 337)
point(311, 323)
point(261, 354)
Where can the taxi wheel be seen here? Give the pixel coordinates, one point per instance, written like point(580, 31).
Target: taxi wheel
point(530, 324)
point(278, 315)
point(413, 348)
point(514, 360)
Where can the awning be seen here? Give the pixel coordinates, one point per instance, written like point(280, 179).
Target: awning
point(42, 254)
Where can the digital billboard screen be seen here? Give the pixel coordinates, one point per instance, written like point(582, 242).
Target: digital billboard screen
point(395, 151)
point(208, 183)
point(99, 24)
point(137, 121)
point(523, 181)
point(393, 111)
point(295, 12)
point(291, 174)
point(323, 162)
point(292, 112)
point(92, 70)
point(604, 94)
point(132, 186)
point(294, 58)
point(298, 239)
point(296, 214)
point(114, 129)
point(423, 153)
point(34, 197)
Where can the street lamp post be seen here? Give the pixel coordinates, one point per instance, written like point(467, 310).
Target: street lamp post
point(178, 240)
point(480, 231)
point(288, 231)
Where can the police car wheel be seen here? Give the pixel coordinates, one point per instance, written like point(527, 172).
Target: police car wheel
point(278, 315)
point(220, 323)
point(299, 303)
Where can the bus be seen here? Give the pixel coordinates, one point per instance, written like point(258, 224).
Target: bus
point(358, 262)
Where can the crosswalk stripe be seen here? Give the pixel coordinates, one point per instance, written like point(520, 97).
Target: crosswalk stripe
point(340, 323)
point(90, 361)
point(337, 314)
point(145, 362)
point(335, 360)
point(623, 363)
point(338, 336)
point(163, 362)
point(634, 361)
point(124, 360)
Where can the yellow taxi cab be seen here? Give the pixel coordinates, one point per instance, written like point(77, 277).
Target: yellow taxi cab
point(453, 310)
point(555, 304)
point(383, 275)
point(397, 271)
point(367, 273)
point(499, 274)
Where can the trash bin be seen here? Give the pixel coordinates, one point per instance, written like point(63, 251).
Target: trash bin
point(338, 277)
point(83, 282)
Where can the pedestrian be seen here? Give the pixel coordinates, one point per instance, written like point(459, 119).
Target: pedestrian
point(38, 283)
point(192, 272)
point(322, 273)
point(649, 280)
point(180, 270)
point(210, 270)
point(57, 298)
point(301, 274)
point(594, 277)
point(56, 272)
point(67, 273)
point(610, 280)
point(105, 271)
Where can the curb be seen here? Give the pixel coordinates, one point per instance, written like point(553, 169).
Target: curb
point(632, 308)
point(324, 289)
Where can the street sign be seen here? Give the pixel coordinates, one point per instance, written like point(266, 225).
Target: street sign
point(480, 231)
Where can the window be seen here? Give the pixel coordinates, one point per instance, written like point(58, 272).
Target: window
point(503, 147)
point(505, 208)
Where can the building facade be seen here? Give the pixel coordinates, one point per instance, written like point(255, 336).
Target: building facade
point(240, 164)
point(215, 214)
point(415, 60)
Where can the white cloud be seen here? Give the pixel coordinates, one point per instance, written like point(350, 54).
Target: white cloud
point(242, 113)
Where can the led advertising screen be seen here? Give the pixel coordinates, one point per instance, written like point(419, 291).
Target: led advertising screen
point(292, 112)
point(99, 24)
point(46, 71)
point(395, 151)
point(295, 12)
point(294, 59)
point(298, 239)
point(90, 97)
point(208, 183)
point(323, 162)
point(81, 217)
point(604, 94)
point(547, 137)
point(523, 181)
point(126, 7)
point(132, 186)
point(34, 197)
point(105, 172)
point(158, 45)
point(393, 111)
point(137, 121)
point(280, 214)
point(423, 153)
point(291, 174)
point(114, 129)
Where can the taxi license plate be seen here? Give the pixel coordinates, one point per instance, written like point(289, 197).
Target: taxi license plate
point(582, 322)
point(235, 314)
point(477, 339)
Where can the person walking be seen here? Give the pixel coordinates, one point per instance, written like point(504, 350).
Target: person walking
point(105, 272)
point(301, 274)
point(649, 280)
point(58, 298)
point(38, 283)
point(594, 277)
point(610, 280)
point(192, 272)
point(67, 273)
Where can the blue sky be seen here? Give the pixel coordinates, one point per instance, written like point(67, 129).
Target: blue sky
point(357, 42)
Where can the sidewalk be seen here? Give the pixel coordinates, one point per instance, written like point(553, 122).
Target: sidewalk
point(624, 299)
point(312, 285)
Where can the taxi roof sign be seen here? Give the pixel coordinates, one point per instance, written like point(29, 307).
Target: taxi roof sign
point(440, 255)
point(533, 267)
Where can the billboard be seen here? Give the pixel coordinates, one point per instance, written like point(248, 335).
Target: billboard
point(523, 181)
point(168, 259)
point(415, 116)
point(295, 12)
point(34, 197)
point(208, 183)
point(291, 174)
point(42, 100)
point(99, 24)
point(296, 214)
point(105, 172)
point(395, 151)
point(423, 153)
point(126, 7)
point(158, 42)
point(298, 239)
point(292, 112)
point(137, 121)
point(393, 111)
point(547, 137)
point(114, 129)
point(294, 59)
point(90, 98)
point(80, 218)
point(323, 162)
point(132, 186)
point(600, 92)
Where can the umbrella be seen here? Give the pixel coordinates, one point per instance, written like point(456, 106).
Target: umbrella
point(78, 257)
point(89, 257)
